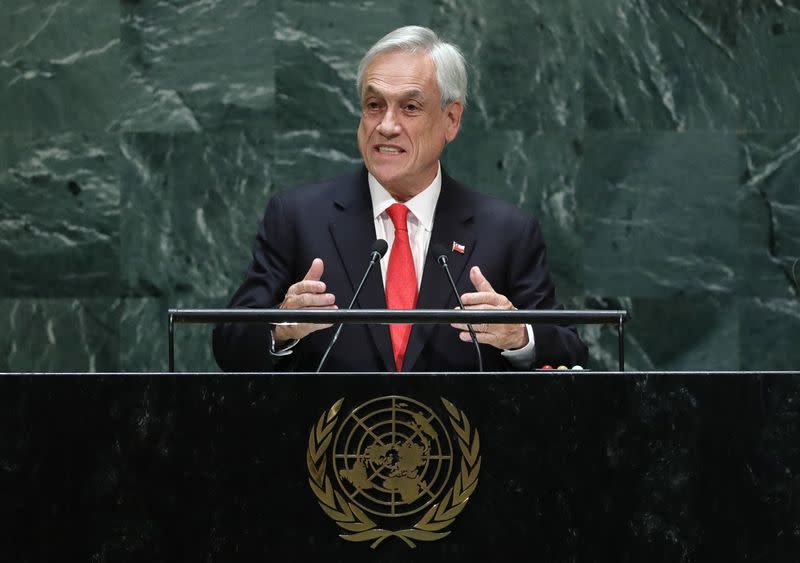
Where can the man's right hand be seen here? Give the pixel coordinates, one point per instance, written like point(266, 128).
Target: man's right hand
point(308, 293)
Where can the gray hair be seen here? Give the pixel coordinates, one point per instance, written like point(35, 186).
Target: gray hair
point(451, 70)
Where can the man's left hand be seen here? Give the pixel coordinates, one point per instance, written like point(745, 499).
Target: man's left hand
point(503, 336)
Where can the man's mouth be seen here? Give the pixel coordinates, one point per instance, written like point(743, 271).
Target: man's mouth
point(388, 149)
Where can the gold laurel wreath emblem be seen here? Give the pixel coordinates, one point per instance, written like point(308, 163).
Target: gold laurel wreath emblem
point(351, 518)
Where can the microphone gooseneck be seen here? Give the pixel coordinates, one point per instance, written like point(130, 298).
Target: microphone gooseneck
point(440, 251)
point(376, 252)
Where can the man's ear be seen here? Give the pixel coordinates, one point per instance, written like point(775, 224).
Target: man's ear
point(452, 115)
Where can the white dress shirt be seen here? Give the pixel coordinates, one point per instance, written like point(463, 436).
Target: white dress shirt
point(421, 210)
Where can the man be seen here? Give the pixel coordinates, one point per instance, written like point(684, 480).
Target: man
point(313, 244)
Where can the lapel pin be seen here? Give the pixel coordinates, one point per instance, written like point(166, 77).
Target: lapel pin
point(458, 248)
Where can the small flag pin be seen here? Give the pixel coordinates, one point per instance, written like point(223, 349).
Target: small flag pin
point(458, 248)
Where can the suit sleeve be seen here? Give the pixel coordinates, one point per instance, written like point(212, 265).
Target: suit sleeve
point(245, 346)
point(532, 288)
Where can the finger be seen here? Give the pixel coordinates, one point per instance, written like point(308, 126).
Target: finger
point(315, 271)
point(484, 298)
point(481, 337)
point(306, 286)
point(308, 300)
point(479, 281)
point(298, 331)
point(476, 328)
point(284, 332)
point(313, 327)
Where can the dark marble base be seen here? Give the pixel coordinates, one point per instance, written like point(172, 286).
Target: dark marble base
point(575, 467)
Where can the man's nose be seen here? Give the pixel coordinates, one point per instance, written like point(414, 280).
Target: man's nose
point(388, 127)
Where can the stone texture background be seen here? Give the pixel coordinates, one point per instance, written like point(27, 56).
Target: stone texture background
point(657, 140)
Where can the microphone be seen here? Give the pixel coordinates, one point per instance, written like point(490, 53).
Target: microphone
point(440, 251)
point(376, 252)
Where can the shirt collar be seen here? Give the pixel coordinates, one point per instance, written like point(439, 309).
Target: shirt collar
point(422, 205)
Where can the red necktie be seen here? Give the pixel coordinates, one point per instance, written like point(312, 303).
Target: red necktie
point(401, 280)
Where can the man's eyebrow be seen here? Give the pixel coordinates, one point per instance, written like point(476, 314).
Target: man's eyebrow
point(371, 90)
point(415, 93)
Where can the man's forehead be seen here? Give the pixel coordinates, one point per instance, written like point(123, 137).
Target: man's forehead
point(399, 73)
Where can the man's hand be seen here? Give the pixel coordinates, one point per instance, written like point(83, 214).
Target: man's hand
point(309, 293)
point(505, 337)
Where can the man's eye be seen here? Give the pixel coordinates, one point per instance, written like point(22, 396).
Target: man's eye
point(373, 105)
point(412, 107)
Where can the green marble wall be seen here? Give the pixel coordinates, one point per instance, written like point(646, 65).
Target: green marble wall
point(658, 141)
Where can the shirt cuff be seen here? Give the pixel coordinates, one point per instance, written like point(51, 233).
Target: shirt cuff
point(283, 350)
point(522, 358)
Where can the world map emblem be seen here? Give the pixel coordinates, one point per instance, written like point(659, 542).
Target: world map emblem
point(389, 468)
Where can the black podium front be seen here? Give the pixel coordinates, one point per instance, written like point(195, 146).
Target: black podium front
point(558, 466)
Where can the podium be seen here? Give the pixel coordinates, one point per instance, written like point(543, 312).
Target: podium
point(571, 466)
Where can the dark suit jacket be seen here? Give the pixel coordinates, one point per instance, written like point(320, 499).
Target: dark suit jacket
point(333, 221)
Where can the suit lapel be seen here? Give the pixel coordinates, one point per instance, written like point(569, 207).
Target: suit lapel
point(353, 232)
point(452, 223)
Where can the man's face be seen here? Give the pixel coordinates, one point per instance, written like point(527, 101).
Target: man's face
point(403, 128)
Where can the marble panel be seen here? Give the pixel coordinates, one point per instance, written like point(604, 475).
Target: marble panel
point(317, 51)
point(603, 340)
point(769, 214)
point(770, 333)
point(657, 142)
point(59, 216)
point(678, 333)
point(144, 344)
point(197, 65)
point(686, 333)
point(59, 334)
point(766, 78)
point(536, 172)
point(659, 213)
point(525, 60)
point(59, 66)
point(308, 156)
point(660, 65)
point(191, 205)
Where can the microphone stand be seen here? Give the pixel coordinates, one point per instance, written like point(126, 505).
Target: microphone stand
point(376, 253)
point(442, 260)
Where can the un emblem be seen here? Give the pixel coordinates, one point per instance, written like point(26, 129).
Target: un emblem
point(393, 465)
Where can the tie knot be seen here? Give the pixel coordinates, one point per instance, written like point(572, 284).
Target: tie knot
point(398, 213)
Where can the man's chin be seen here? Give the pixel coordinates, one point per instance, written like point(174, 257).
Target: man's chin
point(387, 176)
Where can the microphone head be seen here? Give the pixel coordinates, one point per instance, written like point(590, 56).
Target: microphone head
point(440, 251)
point(380, 246)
